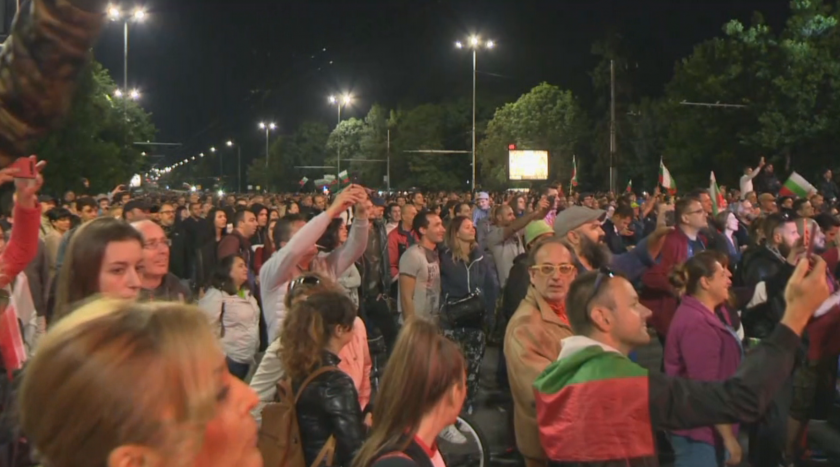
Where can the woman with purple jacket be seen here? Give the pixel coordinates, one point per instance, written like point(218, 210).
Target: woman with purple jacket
point(702, 345)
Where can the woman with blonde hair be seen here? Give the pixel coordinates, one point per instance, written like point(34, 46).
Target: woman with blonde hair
point(429, 370)
point(120, 383)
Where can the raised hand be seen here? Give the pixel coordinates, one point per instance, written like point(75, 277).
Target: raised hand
point(805, 292)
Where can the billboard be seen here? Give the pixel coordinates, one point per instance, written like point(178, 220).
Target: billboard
point(527, 165)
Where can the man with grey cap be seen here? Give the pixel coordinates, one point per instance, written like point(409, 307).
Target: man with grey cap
point(482, 207)
point(581, 227)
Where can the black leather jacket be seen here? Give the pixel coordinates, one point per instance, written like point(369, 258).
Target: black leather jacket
point(759, 264)
point(330, 406)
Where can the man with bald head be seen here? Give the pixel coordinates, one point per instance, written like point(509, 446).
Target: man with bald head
point(158, 282)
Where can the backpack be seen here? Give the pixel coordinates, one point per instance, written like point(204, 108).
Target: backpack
point(279, 437)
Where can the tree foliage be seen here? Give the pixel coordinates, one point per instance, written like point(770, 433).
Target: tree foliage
point(787, 81)
point(97, 140)
point(546, 118)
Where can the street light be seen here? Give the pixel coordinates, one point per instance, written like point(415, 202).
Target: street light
point(474, 43)
point(137, 16)
point(340, 101)
point(238, 165)
point(268, 127)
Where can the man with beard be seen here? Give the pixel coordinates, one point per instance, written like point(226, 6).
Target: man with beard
point(766, 268)
point(680, 244)
point(581, 227)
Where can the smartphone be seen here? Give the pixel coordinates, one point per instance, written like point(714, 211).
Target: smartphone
point(26, 174)
point(551, 200)
point(670, 218)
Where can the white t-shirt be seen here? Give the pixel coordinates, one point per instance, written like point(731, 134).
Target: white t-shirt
point(424, 266)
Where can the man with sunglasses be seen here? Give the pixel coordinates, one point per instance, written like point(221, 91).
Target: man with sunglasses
point(533, 335)
point(596, 407)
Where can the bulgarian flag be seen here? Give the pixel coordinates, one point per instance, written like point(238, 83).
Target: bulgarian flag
point(796, 186)
point(718, 199)
point(303, 181)
point(592, 407)
point(574, 182)
point(344, 177)
point(629, 186)
point(665, 179)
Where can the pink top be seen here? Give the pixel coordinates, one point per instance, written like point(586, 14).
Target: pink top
point(356, 362)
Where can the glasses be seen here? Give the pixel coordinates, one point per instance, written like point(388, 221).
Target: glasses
point(166, 212)
point(155, 244)
point(307, 280)
point(565, 269)
point(698, 211)
point(604, 273)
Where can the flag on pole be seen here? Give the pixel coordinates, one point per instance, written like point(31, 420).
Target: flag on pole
point(303, 181)
point(718, 200)
point(665, 179)
point(796, 186)
point(344, 177)
point(574, 181)
point(629, 186)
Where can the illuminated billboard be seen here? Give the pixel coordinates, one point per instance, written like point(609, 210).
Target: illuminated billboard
point(527, 165)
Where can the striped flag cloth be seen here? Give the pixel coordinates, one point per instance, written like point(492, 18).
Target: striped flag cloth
point(665, 179)
point(718, 199)
point(584, 414)
point(797, 186)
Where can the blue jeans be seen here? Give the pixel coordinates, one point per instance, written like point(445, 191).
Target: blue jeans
point(240, 370)
point(691, 453)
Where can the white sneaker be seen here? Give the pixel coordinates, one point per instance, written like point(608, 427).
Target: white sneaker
point(452, 435)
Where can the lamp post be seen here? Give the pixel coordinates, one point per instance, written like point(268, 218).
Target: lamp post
point(238, 166)
point(137, 16)
point(474, 43)
point(340, 101)
point(268, 127)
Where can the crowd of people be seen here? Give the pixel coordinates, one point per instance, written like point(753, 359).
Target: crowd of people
point(184, 329)
point(220, 309)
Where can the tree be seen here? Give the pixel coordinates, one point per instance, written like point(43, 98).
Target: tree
point(424, 128)
point(304, 147)
point(346, 140)
point(788, 83)
point(373, 146)
point(97, 140)
point(545, 118)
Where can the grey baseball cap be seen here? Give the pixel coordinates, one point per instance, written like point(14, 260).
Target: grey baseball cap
point(575, 216)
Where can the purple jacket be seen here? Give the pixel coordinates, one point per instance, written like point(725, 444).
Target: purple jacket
point(700, 347)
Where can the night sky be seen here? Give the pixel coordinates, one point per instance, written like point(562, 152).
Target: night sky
point(210, 70)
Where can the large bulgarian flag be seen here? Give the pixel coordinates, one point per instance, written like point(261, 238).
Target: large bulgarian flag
point(797, 186)
point(593, 406)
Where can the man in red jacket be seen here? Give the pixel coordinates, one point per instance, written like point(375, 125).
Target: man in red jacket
point(680, 244)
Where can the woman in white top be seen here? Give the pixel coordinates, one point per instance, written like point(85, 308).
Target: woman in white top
point(234, 314)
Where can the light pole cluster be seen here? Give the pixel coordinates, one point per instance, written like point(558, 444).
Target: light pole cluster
point(137, 15)
point(475, 43)
point(268, 127)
